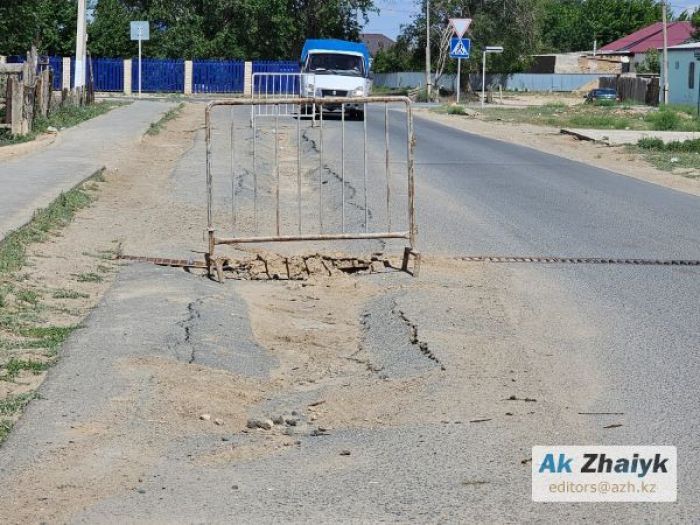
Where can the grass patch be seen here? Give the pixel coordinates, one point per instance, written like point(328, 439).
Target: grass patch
point(69, 294)
point(13, 404)
point(664, 120)
point(5, 428)
point(49, 337)
point(88, 277)
point(599, 116)
point(686, 146)
point(28, 296)
point(455, 109)
point(156, 127)
point(58, 214)
point(63, 117)
point(385, 91)
point(14, 366)
point(673, 156)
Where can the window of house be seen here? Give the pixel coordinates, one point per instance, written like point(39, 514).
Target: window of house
point(691, 75)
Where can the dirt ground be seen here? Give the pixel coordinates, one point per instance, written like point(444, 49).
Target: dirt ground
point(551, 140)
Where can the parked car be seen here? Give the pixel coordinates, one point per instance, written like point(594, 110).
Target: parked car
point(602, 94)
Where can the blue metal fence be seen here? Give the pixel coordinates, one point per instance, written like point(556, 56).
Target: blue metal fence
point(275, 84)
point(56, 64)
point(159, 75)
point(164, 75)
point(275, 66)
point(217, 76)
point(108, 74)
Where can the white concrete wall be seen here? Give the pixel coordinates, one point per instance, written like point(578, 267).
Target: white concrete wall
point(248, 79)
point(127, 77)
point(189, 72)
point(65, 80)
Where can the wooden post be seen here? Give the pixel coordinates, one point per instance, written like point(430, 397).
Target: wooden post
point(14, 102)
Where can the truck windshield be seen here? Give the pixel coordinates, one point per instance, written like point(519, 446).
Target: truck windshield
point(335, 63)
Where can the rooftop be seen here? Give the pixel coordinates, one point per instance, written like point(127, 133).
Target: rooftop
point(376, 41)
point(650, 37)
point(689, 45)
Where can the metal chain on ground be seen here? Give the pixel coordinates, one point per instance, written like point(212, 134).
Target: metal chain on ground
point(577, 260)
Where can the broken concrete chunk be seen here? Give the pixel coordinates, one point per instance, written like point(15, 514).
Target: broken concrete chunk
point(265, 424)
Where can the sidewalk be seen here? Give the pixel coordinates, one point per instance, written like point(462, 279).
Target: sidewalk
point(35, 180)
point(614, 137)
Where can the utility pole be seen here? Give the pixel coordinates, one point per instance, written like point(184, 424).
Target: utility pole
point(665, 57)
point(80, 46)
point(428, 76)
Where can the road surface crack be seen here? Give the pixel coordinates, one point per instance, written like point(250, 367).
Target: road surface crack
point(193, 316)
point(413, 334)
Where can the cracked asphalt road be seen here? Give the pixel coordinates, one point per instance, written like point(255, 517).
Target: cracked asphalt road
point(117, 435)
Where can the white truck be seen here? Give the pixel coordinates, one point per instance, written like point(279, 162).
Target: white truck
point(336, 68)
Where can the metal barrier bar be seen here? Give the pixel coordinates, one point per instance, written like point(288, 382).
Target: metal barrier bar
point(360, 104)
point(271, 85)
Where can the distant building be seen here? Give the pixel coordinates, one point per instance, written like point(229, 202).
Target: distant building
point(635, 45)
point(575, 63)
point(683, 74)
point(376, 42)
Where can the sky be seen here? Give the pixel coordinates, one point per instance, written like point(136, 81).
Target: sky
point(396, 12)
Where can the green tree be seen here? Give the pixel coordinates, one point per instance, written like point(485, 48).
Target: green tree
point(110, 30)
point(651, 63)
point(229, 28)
point(695, 20)
point(573, 25)
point(514, 24)
point(48, 24)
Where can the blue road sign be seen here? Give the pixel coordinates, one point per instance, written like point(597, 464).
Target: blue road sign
point(140, 30)
point(459, 47)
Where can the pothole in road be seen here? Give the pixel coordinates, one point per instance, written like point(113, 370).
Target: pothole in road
point(273, 267)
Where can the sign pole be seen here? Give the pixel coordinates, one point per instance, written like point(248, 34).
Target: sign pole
point(140, 70)
point(483, 80)
point(459, 76)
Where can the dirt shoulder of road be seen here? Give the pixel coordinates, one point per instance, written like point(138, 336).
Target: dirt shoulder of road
point(65, 269)
point(14, 151)
point(550, 140)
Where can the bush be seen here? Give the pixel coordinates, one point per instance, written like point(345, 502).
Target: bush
point(650, 143)
point(664, 120)
point(455, 109)
point(687, 146)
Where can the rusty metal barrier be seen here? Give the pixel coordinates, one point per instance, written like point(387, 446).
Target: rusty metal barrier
point(288, 165)
point(267, 86)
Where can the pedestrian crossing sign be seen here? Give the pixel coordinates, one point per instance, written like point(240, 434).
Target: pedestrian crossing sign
point(459, 47)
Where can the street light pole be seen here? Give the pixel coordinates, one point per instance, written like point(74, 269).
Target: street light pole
point(665, 57)
point(487, 50)
point(428, 80)
point(80, 44)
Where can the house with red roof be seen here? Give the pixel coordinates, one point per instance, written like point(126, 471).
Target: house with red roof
point(632, 48)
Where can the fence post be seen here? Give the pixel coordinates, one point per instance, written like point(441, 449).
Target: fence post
point(65, 80)
point(13, 104)
point(127, 76)
point(3, 59)
point(248, 79)
point(189, 70)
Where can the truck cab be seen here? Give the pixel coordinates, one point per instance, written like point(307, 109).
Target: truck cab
point(336, 68)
